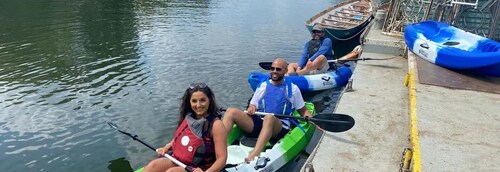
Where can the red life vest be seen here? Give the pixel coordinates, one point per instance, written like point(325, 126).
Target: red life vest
point(191, 149)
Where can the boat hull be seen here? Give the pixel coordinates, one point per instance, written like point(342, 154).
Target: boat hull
point(453, 48)
point(315, 82)
point(345, 12)
point(339, 35)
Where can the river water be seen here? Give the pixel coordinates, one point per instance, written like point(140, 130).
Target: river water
point(68, 67)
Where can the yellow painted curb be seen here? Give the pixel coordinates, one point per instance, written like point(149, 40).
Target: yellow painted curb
point(415, 143)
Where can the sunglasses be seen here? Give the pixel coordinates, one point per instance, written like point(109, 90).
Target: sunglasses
point(197, 85)
point(275, 69)
point(317, 31)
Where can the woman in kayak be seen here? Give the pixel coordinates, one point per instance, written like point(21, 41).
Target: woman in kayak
point(200, 138)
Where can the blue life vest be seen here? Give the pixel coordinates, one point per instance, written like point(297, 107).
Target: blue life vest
point(276, 100)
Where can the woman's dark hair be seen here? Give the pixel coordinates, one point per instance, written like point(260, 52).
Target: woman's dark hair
point(213, 108)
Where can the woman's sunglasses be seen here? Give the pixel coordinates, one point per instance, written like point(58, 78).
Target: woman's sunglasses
point(197, 85)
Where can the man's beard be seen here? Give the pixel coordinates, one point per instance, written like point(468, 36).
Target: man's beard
point(279, 78)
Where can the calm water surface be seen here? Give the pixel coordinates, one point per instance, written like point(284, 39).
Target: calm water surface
point(68, 67)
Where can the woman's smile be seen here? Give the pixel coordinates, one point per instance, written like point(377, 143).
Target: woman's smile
point(199, 104)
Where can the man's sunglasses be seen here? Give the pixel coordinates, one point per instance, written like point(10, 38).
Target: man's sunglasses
point(317, 31)
point(275, 69)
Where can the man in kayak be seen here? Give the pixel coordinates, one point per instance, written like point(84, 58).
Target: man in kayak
point(277, 96)
point(315, 54)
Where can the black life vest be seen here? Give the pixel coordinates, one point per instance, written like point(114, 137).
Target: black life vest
point(313, 46)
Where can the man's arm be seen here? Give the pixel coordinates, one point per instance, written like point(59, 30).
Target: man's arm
point(305, 112)
point(257, 95)
point(303, 58)
point(298, 102)
point(326, 46)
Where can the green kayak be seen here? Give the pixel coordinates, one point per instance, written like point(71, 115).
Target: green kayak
point(273, 157)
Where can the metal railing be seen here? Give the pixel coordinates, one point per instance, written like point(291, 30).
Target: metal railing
point(476, 16)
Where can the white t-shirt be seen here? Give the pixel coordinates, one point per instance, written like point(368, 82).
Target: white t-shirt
point(296, 99)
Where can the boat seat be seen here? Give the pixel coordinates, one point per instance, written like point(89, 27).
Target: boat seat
point(350, 18)
point(250, 142)
point(358, 14)
point(364, 13)
point(359, 11)
point(345, 22)
point(488, 46)
point(332, 26)
point(348, 9)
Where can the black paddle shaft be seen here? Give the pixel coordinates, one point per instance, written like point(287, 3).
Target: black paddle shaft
point(329, 122)
point(267, 65)
point(135, 137)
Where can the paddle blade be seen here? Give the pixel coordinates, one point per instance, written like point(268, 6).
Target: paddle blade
point(112, 125)
point(333, 122)
point(265, 65)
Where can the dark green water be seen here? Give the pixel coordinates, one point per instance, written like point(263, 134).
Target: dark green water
point(68, 67)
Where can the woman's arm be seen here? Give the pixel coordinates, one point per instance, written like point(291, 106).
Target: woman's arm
point(219, 135)
point(163, 150)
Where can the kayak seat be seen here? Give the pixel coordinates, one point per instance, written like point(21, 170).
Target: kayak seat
point(250, 142)
point(487, 46)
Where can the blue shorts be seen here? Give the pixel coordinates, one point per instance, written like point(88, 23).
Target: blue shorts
point(257, 127)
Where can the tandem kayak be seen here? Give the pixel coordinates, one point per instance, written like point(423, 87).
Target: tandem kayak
point(273, 157)
point(316, 82)
point(453, 48)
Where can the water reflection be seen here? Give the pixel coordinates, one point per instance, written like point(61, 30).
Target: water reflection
point(68, 67)
point(61, 62)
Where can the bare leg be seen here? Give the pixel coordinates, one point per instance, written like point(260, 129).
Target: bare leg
point(159, 165)
point(292, 67)
point(319, 62)
point(271, 126)
point(176, 169)
point(242, 119)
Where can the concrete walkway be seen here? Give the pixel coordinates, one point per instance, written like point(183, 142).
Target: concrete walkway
point(457, 129)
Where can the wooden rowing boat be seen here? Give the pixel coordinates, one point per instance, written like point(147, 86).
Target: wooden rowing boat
point(345, 20)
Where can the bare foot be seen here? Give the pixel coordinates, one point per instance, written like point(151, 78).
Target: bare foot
point(250, 157)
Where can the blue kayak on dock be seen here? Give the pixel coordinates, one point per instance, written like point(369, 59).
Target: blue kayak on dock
point(453, 48)
point(314, 82)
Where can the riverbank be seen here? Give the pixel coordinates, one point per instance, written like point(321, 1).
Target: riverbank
point(447, 129)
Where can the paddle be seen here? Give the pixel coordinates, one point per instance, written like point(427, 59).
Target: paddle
point(332, 122)
point(187, 168)
point(267, 65)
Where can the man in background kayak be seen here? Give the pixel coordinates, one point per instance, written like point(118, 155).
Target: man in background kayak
point(277, 96)
point(315, 54)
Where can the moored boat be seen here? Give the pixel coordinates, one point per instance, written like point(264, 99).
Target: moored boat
point(331, 79)
point(453, 48)
point(345, 20)
point(273, 157)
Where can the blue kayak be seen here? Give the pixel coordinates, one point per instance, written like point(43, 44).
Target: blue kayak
point(453, 48)
point(314, 82)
